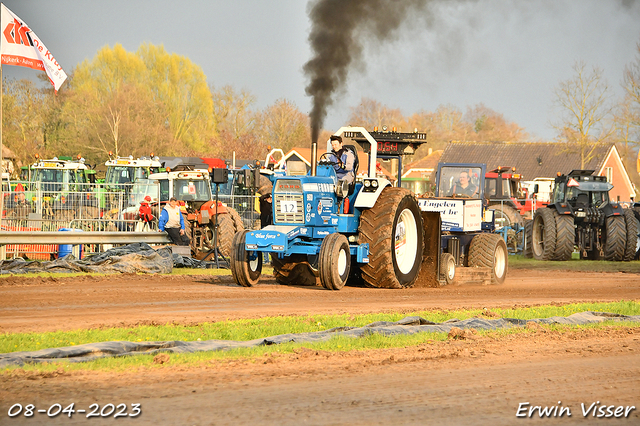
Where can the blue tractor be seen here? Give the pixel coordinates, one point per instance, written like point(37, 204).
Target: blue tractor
point(328, 232)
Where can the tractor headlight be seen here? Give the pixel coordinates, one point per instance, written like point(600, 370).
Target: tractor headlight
point(374, 183)
point(367, 183)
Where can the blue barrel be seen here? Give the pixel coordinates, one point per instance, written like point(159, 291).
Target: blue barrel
point(65, 249)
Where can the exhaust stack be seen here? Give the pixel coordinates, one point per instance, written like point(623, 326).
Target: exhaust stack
point(314, 158)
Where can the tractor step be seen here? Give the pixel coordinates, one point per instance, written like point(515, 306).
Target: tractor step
point(472, 276)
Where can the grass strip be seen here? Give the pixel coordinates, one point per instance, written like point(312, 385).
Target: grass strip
point(256, 355)
point(574, 264)
point(249, 329)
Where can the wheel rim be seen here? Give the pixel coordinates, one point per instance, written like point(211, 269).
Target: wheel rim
point(499, 261)
point(253, 264)
point(406, 241)
point(342, 263)
point(451, 269)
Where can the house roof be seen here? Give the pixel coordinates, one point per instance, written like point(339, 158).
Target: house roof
point(424, 167)
point(531, 159)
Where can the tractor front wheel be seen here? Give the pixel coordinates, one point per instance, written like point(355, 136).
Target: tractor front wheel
point(246, 266)
point(335, 261)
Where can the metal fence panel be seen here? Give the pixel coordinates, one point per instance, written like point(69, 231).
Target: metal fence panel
point(62, 206)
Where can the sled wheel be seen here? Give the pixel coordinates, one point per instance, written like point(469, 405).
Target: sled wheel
point(565, 236)
point(490, 251)
point(447, 268)
point(543, 234)
point(394, 231)
point(335, 262)
point(246, 266)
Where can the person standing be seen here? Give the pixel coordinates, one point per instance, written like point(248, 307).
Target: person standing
point(266, 210)
point(172, 221)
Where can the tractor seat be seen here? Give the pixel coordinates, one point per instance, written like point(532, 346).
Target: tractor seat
point(582, 201)
point(356, 163)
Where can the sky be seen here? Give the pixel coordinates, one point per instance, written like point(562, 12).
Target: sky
point(509, 55)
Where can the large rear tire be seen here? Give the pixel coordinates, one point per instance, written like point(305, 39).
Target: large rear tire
point(543, 234)
point(490, 251)
point(615, 238)
point(293, 270)
point(565, 236)
point(632, 235)
point(229, 224)
point(394, 231)
point(246, 266)
point(335, 262)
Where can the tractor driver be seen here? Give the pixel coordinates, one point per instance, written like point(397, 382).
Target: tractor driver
point(464, 185)
point(344, 173)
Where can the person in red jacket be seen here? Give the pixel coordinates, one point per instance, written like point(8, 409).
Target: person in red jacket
point(145, 214)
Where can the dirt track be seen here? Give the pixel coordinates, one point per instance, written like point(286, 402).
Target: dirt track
point(473, 381)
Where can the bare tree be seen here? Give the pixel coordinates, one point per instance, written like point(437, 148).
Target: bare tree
point(371, 113)
point(584, 111)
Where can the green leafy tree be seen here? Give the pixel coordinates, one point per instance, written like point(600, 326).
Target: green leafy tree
point(181, 87)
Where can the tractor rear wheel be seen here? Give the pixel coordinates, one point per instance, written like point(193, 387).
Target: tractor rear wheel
point(565, 236)
point(393, 229)
point(447, 268)
point(543, 234)
point(632, 235)
point(490, 251)
point(228, 225)
point(246, 266)
point(293, 270)
point(335, 261)
point(615, 238)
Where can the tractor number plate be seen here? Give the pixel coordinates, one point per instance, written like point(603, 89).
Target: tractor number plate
point(287, 206)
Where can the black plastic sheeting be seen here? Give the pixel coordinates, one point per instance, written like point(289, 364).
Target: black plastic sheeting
point(408, 325)
point(132, 258)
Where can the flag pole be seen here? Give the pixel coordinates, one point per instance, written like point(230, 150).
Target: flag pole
point(1, 153)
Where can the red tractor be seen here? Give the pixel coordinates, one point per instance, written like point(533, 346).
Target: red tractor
point(511, 201)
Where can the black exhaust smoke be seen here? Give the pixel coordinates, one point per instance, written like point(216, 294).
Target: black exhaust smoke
point(338, 29)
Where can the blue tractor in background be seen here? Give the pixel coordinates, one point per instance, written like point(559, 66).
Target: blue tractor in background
point(328, 232)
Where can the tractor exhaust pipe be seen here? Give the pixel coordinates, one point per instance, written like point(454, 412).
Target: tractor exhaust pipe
point(314, 158)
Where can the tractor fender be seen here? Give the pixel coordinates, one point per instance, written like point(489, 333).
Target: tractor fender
point(562, 208)
point(612, 209)
point(367, 199)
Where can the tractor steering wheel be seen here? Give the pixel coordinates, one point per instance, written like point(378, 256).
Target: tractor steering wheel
point(324, 159)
